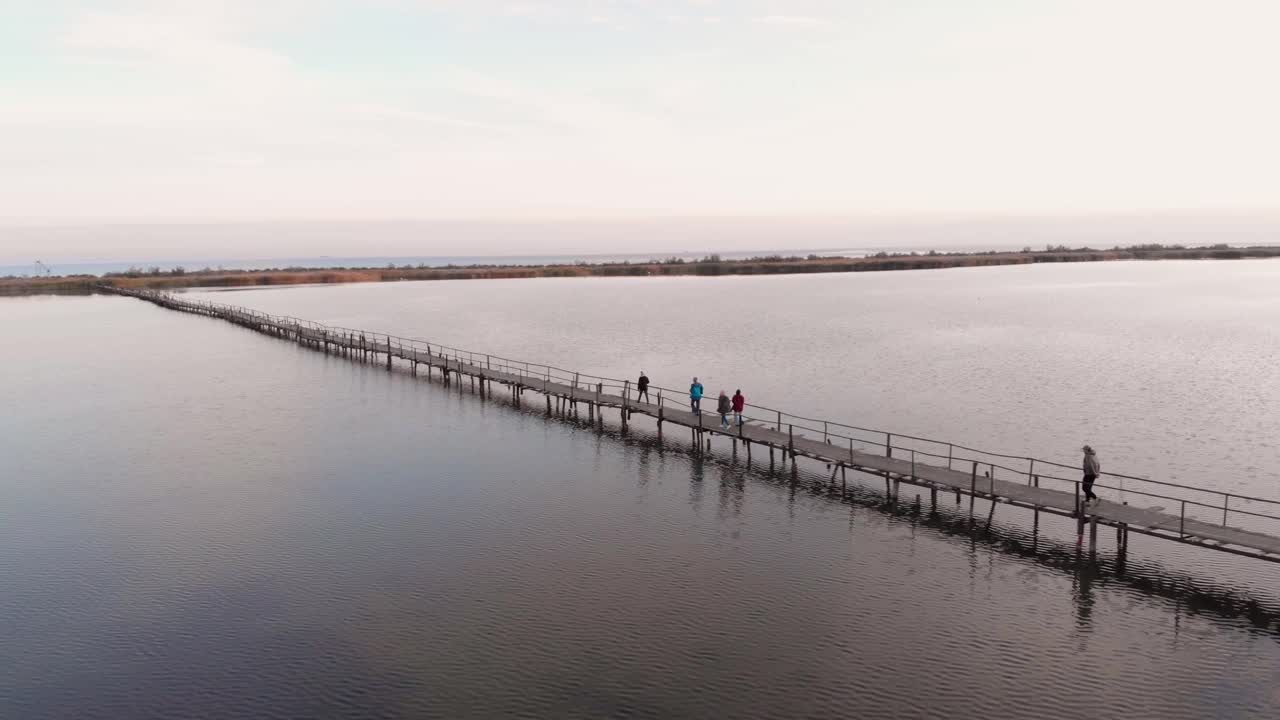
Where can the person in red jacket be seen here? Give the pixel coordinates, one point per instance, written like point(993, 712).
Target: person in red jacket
point(739, 403)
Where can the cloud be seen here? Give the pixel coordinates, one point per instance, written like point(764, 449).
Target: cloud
point(573, 111)
point(397, 113)
point(192, 47)
point(797, 22)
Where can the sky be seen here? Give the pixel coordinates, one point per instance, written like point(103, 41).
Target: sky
point(184, 111)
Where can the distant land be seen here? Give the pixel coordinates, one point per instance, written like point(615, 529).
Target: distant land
point(709, 265)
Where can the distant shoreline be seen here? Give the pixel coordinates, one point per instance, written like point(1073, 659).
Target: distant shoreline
point(712, 265)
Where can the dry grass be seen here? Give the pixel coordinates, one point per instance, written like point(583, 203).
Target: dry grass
point(711, 266)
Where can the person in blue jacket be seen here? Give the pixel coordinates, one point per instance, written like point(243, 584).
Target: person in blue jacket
point(695, 397)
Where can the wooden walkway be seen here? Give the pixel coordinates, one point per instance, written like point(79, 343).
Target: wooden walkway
point(918, 461)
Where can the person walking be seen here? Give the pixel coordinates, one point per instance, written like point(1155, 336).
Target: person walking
point(695, 397)
point(739, 403)
point(642, 387)
point(1091, 470)
point(723, 406)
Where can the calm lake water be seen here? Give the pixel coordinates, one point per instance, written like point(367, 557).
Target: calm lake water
point(200, 521)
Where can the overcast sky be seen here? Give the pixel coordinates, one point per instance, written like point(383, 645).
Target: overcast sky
point(394, 109)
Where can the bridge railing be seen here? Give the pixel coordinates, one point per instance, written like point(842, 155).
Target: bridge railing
point(1192, 503)
point(1187, 502)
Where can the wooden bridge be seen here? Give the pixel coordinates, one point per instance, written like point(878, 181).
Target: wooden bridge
point(1220, 521)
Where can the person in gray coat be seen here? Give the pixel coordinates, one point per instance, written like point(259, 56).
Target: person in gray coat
point(1092, 468)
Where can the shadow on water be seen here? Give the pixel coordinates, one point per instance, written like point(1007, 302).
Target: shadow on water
point(1189, 594)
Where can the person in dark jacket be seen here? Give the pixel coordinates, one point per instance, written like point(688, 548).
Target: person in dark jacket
point(1091, 468)
point(695, 397)
point(723, 406)
point(642, 387)
point(739, 403)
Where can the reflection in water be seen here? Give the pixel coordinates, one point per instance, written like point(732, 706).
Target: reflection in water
point(1082, 594)
point(732, 489)
point(1067, 556)
point(297, 535)
point(1085, 569)
point(697, 474)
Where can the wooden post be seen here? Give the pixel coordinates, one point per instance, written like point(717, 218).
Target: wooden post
point(1093, 534)
point(973, 488)
point(1079, 516)
point(1124, 536)
point(791, 440)
point(1031, 471)
point(888, 445)
point(1225, 499)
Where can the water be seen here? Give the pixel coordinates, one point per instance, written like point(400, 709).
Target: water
point(1171, 369)
point(199, 521)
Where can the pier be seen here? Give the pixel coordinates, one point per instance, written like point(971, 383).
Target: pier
point(1215, 520)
